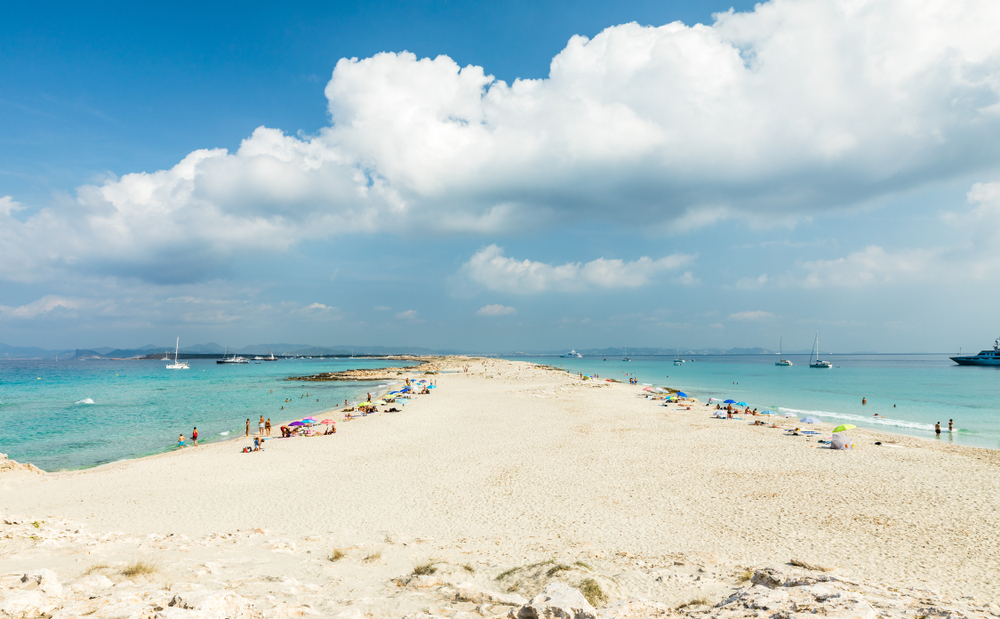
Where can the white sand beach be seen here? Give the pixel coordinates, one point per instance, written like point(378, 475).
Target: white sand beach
point(511, 465)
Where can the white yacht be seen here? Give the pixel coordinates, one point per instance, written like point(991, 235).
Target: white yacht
point(815, 361)
point(985, 357)
point(234, 359)
point(178, 365)
point(571, 355)
point(784, 362)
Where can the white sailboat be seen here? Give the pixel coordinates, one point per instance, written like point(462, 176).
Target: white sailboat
point(625, 355)
point(178, 365)
point(815, 361)
point(784, 362)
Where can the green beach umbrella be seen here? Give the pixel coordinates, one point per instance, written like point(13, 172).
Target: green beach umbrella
point(846, 426)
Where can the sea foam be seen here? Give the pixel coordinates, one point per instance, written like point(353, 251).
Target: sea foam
point(85, 401)
point(883, 421)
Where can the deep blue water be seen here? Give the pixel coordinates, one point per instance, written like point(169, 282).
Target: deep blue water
point(73, 414)
point(910, 392)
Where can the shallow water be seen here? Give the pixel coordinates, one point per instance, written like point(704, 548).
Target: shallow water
point(909, 392)
point(73, 414)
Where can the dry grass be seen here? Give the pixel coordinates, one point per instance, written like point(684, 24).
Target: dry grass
point(337, 554)
point(583, 565)
point(468, 567)
point(699, 601)
point(591, 590)
point(811, 566)
point(372, 557)
point(97, 567)
point(425, 569)
point(139, 567)
point(556, 569)
point(745, 575)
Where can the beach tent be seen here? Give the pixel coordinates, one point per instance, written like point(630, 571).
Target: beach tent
point(840, 441)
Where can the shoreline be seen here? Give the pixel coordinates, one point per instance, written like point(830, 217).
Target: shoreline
point(582, 471)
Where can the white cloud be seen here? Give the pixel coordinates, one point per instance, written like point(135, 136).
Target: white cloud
point(407, 315)
point(751, 316)
point(752, 283)
point(45, 305)
point(496, 310)
point(767, 116)
point(491, 269)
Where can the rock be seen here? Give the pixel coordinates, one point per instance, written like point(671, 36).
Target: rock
point(769, 577)
point(217, 604)
point(468, 592)
point(10, 465)
point(91, 583)
point(425, 582)
point(634, 607)
point(46, 580)
point(23, 604)
point(557, 601)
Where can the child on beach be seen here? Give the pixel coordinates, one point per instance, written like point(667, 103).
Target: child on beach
point(180, 441)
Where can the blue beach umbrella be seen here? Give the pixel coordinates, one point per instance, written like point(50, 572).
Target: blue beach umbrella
point(809, 420)
point(768, 413)
point(681, 394)
point(741, 404)
point(729, 401)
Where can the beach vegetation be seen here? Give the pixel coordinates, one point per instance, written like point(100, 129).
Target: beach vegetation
point(424, 569)
point(38, 524)
point(583, 565)
point(698, 601)
point(468, 567)
point(507, 573)
point(591, 590)
point(97, 567)
point(555, 569)
point(337, 554)
point(372, 557)
point(138, 567)
point(745, 575)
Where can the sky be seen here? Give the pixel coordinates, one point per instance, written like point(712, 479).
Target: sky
point(501, 176)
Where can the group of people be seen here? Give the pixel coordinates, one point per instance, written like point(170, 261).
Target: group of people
point(194, 438)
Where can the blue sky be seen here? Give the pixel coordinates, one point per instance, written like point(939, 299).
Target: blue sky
point(534, 175)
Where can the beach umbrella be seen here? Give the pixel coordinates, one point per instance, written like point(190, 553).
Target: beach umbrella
point(741, 404)
point(681, 394)
point(729, 401)
point(327, 422)
point(843, 427)
point(296, 423)
point(433, 387)
point(767, 413)
point(809, 420)
point(788, 415)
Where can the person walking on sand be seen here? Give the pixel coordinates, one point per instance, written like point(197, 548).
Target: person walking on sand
point(194, 436)
point(937, 428)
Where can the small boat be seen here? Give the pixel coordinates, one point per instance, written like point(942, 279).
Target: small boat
point(784, 362)
point(677, 358)
point(270, 356)
point(985, 357)
point(624, 355)
point(815, 361)
point(571, 355)
point(178, 365)
point(234, 359)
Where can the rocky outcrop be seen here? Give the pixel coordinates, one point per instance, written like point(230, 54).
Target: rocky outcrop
point(557, 601)
point(7, 465)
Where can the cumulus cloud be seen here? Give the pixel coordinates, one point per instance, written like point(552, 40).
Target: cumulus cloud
point(407, 315)
point(496, 310)
point(768, 115)
point(490, 268)
point(751, 316)
point(45, 305)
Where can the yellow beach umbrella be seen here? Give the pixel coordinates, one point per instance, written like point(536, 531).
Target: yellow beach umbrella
point(846, 426)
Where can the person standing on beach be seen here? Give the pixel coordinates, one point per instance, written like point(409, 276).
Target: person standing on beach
point(248, 425)
point(267, 426)
point(194, 436)
point(260, 426)
point(180, 441)
point(937, 428)
point(951, 425)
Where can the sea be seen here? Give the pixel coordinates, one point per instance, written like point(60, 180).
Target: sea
point(910, 393)
point(76, 414)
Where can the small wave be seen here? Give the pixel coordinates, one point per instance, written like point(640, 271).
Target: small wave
point(226, 433)
point(882, 421)
point(86, 401)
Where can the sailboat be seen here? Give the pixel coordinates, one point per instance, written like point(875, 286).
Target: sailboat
point(625, 355)
point(815, 361)
point(677, 357)
point(234, 359)
point(784, 362)
point(178, 365)
point(270, 356)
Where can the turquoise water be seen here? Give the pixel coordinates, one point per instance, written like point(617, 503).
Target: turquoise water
point(73, 414)
point(909, 392)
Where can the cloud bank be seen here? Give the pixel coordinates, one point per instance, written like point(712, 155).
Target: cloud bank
point(768, 115)
point(490, 268)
